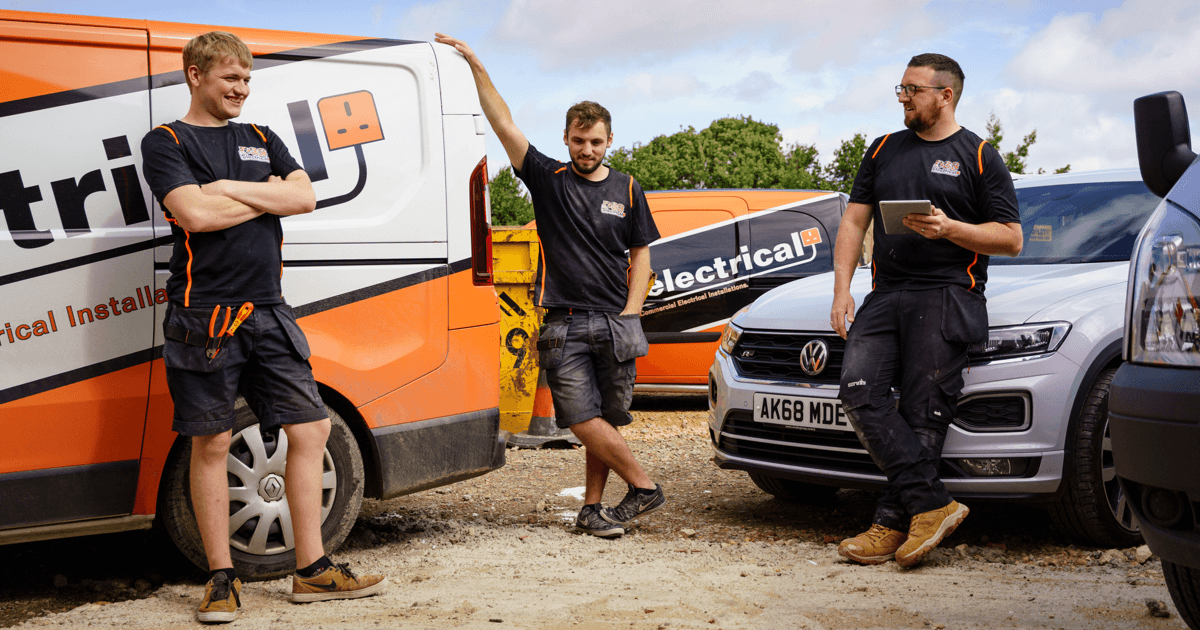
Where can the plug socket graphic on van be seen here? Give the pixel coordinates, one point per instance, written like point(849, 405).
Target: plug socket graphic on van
point(348, 120)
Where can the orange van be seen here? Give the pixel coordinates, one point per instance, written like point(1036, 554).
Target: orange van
point(390, 279)
point(721, 249)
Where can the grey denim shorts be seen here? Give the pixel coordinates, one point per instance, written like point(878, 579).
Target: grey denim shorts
point(590, 363)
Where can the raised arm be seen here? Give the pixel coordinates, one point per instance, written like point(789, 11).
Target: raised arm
point(494, 106)
point(281, 196)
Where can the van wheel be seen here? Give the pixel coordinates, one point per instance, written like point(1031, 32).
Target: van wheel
point(1184, 586)
point(1093, 506)
point(792, 490)
point(259, 521)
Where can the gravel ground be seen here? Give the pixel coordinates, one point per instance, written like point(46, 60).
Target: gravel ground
point(498, 551)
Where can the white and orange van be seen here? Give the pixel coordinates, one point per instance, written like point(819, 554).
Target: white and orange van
point(390, 279)
point(719, 251)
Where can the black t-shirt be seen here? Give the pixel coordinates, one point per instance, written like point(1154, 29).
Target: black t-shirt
point(585, 229)
point(962, 176)
point(238, 264)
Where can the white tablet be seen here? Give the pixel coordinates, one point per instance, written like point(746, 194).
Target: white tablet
point(894, 212)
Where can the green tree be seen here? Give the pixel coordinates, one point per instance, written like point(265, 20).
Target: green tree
point(510, 204)
point(737, 152)
point(1016, 161)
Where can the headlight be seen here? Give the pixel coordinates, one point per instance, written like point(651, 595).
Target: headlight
point(1020, 341)
point(1163, 285)
point(729, 338)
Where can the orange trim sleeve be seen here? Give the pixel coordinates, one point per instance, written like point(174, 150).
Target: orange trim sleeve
point(969, 274)
point(979, 156)
point(169, 130)
point(187, 293)
point(881, 142)
point(260, 134)
point(872, 275)
point(560, 170)
point(631, 193)
point(542, 255)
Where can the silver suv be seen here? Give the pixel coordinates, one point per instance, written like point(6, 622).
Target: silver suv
point(1033, 417)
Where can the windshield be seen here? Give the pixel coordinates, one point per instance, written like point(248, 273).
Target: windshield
point(1077, 223)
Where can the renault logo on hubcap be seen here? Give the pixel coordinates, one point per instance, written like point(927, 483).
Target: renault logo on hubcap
point(813, 357)
point(271, 487)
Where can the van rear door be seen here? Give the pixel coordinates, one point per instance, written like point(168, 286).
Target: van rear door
point(75, 270)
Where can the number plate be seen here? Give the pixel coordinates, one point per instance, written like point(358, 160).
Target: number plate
point(804, 412)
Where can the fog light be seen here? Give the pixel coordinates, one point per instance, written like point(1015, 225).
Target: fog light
point(1162, 507)
point(712, 392)
point(994, 467)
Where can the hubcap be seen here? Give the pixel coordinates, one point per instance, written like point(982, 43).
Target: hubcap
point(1116, 498)
point(260, 522)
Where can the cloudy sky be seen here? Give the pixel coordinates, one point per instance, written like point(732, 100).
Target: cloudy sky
point(822, 70)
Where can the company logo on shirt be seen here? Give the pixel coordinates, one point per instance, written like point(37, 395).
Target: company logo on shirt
point(613, 208)
point(253, 154)
point(945, 167)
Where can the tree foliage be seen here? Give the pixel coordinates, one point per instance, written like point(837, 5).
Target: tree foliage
point(737, 152)
point(510, 204)
point(1015, 160)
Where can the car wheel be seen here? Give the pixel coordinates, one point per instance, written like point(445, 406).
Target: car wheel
point(1184, 585)
point(1092, 506)
point(792, 490)
point(260, 527)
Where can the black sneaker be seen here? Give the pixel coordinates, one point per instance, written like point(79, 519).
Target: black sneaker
point(589, 522)
point(634, 505)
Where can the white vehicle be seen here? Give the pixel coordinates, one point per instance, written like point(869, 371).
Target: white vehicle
point(390, 279)
point(1032, 418)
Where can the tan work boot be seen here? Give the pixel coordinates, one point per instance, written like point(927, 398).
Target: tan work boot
point(927, 530)
point(335, 582)
point(874, 546)
point(221, 600)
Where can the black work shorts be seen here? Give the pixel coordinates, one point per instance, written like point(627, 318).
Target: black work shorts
point(590, 364)
point(266, 360)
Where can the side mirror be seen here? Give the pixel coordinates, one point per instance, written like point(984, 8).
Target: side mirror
point(1164, 140)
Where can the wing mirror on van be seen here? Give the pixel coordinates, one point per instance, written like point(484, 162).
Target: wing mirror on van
point(1164, 139)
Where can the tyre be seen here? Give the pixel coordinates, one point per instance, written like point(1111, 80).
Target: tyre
point(1184, 585)
point(260, 524)
point(791, 490)
point(1092, 506)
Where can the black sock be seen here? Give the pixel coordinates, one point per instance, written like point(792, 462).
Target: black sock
point(594, 506)
point(643, 491)
point(315, 568)
point(229, 573)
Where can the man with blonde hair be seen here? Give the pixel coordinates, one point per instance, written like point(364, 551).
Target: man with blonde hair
point(595, 229)
point(223, 187)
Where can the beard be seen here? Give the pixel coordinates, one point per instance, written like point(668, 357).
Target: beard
point(921, 122)
point(579, 168)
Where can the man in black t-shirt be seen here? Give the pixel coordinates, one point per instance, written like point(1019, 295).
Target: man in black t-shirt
point(223, 187)
point(595, 230)
point(926, 305)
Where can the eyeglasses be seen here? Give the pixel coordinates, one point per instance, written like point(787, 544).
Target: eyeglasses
point(911, 90)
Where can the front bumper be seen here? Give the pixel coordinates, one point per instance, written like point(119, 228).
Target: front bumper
point(1154, 415)
point(838, 458)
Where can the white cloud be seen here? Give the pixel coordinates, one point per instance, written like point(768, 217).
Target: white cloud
point(561, 35)
point(453, 17)
point(646, 86)
point(754, 86)
point(869, 92)
point(377, 13)
point(1143, 46)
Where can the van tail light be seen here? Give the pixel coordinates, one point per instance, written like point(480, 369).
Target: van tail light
point(481, 230)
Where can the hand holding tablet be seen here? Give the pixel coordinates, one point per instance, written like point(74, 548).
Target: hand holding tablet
point(894, 212)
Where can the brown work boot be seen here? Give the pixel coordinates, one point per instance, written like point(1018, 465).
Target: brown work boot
point(335, 582)
point(221, 600)
point(927, 530)
point(874, 546)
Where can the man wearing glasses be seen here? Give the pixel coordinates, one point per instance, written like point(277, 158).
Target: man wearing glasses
point(925, 307)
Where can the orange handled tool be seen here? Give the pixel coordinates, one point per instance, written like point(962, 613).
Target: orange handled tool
point(214, 338)
point(243, 313)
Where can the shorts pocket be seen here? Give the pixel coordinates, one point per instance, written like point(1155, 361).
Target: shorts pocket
point(964, 315)
point(629, 342)
point(287, 321)
point(552, 340)
point(178, 355)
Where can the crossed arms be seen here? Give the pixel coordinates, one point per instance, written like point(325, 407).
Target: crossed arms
point(226, 203)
